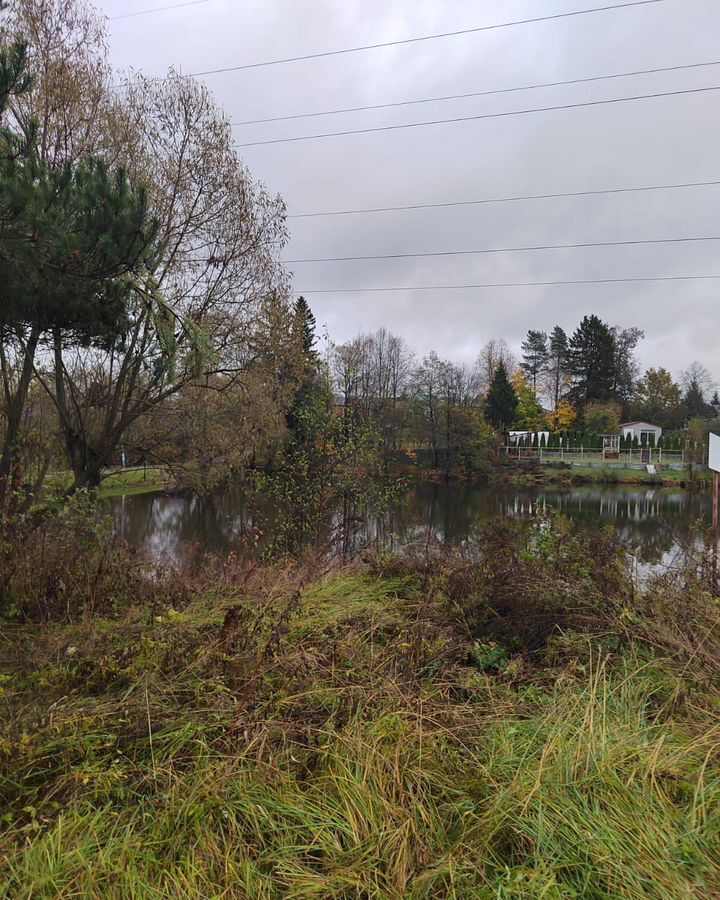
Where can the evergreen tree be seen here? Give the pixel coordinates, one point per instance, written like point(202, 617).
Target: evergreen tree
point(592, 362)
point(698, 386)
point(71, 241)
point(694, 403)
point(502, 401)
point(311, 393)
point(305, 325)
point(535, 356)
point(557, 363)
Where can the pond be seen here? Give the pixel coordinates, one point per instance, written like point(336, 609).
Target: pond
point(653, 523)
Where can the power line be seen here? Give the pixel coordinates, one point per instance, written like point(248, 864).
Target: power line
point(146, 12)
point(427, 37)
point(510, 90)
point(499, 115)
point(508, 284)
point(515, 199)
point(632, 243)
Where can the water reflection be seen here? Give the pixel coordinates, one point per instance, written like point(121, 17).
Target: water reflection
point(651, 523)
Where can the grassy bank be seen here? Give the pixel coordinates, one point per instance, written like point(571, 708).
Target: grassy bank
point(569, 475)
point(127, 481)
point(524, 725)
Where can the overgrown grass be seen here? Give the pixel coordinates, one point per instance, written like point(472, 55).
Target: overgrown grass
point(611, 474)
point(395, 729)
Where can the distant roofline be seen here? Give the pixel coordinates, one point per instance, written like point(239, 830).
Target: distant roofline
point(639, 422)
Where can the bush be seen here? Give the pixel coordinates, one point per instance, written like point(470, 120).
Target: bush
point(65, 564)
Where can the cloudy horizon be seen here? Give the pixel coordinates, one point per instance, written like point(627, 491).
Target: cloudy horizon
point(664, 140)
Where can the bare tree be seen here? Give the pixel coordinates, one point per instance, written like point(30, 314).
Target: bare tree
point(698, 376)
point(494, 352)
point(429, 380)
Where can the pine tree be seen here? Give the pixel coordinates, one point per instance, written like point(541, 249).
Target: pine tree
point(535, 356)
point(69, 239)
point(591, 362)
point(502, 401)
point(557, 363)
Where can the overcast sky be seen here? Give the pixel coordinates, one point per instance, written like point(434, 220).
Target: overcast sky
point(658, 141)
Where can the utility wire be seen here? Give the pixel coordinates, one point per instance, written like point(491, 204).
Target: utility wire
point(146, 12)
point(633, 243)
point(499, 115)
point(506, 284)
point(516, 199)
point(427, 37)
point(510, 90)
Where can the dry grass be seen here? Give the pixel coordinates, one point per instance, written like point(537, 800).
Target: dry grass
point(386, 730)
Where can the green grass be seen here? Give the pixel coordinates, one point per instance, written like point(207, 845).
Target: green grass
point(134, 482)
point(624, 475)
point(281, 734)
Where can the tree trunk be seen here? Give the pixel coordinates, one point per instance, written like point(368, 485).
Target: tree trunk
point(15, 408)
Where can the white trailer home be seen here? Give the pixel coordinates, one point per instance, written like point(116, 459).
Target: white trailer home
point(645, 432)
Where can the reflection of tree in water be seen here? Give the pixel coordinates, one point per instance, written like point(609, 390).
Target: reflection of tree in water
point(173, 528)
point(648, 522)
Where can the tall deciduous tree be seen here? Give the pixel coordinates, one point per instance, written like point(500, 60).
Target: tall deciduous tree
point(562, 418)
point(602, 418)
point(502, 401)
point(193, 317)
point(626, 367)
point(492, 354)
point(530, 415)
point(428, 379)
point(72, 237)
point(658, 398)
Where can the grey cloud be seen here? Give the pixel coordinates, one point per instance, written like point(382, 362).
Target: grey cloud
point(656, 141)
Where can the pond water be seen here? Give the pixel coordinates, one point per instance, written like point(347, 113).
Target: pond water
point(653, 523)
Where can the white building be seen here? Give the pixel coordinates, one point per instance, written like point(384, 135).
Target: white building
point(645, 432)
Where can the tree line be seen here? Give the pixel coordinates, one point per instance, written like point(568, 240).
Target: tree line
point(587, 382)
point(145, 315)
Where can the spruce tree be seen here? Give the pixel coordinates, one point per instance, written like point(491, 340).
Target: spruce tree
point(591, 355)
point(310, 393)
point(502, 401)
point(694, 401)
point(305, 325)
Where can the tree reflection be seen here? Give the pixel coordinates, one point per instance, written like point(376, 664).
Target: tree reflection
point(652, 524)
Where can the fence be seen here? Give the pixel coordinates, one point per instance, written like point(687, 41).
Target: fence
point(640, 456)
